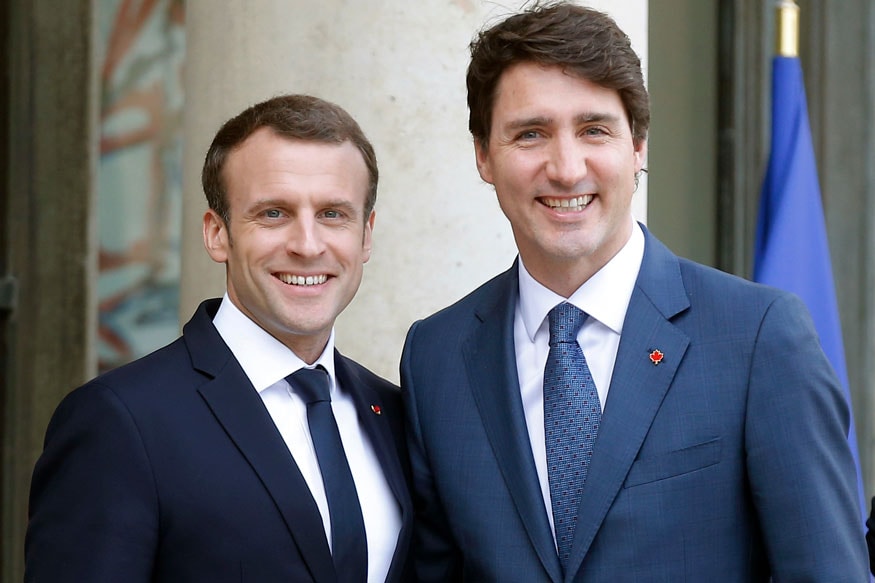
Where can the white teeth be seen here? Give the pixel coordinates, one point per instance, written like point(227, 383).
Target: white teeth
point(568, 204)
point(302, 280)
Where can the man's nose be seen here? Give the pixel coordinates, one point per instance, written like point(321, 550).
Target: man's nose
point(305, 238)
point(567, 162)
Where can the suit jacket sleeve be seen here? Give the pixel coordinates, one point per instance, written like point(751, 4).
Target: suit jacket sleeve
point(93, 503)
point(434, 554)
point(800, 469)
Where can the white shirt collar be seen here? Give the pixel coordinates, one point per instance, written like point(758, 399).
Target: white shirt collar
point(604, 296)
point(263, 358)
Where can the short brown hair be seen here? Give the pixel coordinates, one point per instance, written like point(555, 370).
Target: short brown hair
point(296, 117)
point(584, 42)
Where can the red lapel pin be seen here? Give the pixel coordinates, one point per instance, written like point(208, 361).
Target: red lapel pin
point(376, 409)
point(656, 356)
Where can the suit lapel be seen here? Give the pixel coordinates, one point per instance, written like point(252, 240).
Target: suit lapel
point(637, 387)
point(379, 431)
point(491, 366)
point(238, 408)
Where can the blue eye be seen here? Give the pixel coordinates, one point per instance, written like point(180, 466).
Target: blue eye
point(272, 214)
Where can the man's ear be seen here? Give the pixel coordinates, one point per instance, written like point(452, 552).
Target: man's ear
point(640, 155)
point(368, 235)
point(484, 165)
point(216, 236)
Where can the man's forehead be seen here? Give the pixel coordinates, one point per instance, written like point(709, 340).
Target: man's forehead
point(530, 92)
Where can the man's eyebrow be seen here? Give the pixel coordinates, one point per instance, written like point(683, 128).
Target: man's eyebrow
point(339, 203)
point(528, 122)
point(263, 203)
point(596, 116)
point(588, 117)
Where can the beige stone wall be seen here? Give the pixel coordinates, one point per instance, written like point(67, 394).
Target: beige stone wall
point(398, 67)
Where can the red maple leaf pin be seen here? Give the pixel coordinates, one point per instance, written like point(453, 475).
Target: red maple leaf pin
point(656, 356)
point(376, 409)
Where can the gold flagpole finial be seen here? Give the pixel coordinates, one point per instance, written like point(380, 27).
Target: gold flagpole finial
point(788, 28)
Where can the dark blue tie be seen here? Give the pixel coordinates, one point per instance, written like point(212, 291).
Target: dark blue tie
point(348, 540)
point(571, 421)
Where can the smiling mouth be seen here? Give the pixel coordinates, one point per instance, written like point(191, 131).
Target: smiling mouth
point(567, 205)
point(302, 280)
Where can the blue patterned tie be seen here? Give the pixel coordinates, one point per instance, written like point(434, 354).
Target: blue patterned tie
point(571, 421)
point(348, 540)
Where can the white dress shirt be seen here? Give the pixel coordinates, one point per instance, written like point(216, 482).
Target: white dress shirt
point(605, 297)
point(267, 362)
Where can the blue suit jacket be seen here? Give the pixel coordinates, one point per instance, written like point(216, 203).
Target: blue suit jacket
point(171, 469)
point(727, 461)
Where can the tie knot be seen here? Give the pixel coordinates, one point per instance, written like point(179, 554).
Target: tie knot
point(565, 322)
point(311, 384)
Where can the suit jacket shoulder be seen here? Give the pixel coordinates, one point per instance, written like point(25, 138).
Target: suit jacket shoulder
point(451, 326)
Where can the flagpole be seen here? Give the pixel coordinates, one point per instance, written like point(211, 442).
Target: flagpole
point(788, 28)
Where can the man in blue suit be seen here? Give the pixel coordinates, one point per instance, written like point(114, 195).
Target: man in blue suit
point(699, 435)
point(204, 461)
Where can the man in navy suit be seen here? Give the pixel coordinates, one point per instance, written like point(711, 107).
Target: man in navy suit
point(718, 434)
point(198, 462)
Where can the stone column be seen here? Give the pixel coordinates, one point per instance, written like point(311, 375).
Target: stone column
point(399, 68)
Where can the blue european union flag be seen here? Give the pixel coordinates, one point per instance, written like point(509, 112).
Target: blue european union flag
point(792, 251)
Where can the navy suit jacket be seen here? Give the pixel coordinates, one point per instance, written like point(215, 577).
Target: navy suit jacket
point(171, 469)
point(727, 461)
